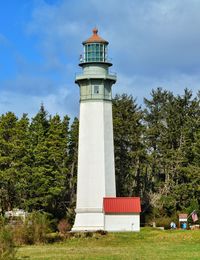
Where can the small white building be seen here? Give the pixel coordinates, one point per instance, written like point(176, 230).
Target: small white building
point(122, 214)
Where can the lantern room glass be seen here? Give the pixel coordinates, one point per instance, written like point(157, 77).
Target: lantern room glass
point(95, 52)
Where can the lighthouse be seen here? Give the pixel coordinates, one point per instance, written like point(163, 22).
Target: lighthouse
point(96, 171)
point(97, 207)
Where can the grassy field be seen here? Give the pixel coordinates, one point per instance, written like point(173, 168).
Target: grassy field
point(147, 244)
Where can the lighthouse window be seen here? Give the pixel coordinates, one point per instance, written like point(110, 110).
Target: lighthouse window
point(96, 89)
point(94, 52)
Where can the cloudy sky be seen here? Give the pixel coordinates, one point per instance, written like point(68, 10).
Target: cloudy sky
point(153, 43)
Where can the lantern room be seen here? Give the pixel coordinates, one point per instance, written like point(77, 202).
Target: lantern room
point(95, 82)
point(95, 49)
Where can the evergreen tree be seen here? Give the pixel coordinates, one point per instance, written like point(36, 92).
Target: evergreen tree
point(22, 160)
point(41, 169)
point(157, 156)
point(72, 165)
point(49, 177)
point(171, 124)
point(8, 172)
point(56, 141)
point(155, 120)
point(129, 150)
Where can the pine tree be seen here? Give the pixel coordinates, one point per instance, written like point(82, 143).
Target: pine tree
point(57, 142)
point(129, 150)
point(155, 120)
point(72, 165)
point(171, 125)
point(41, 169)
point(8, 172)
point(22, 160)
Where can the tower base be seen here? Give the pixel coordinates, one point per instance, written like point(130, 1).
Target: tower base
point(88, 221)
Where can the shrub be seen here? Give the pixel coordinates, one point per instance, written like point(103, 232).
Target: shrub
point(19, 234)
point(63, 226)
point(7, 246)
point(163, 222)
point(36, 228)
point(88, 234)
point(78, 235)
point(101, 232)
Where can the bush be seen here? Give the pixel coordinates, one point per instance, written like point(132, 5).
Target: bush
point(36, 227)
point(101, 232)
point(63, 226)
point(19, 234)
point(164, 222)
point(88, 234)
point(7, 246)
point(34, 230)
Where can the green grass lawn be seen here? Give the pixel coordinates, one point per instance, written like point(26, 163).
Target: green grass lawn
point(147, 244)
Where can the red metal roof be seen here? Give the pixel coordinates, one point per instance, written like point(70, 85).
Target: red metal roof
point(95, 38)
point(121, 205)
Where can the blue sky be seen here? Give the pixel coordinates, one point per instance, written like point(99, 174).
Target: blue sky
point(152, 44)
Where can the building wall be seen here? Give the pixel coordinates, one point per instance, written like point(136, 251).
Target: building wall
point(96, 172)
point(109, 166)
point(90, 221)
point(122, 222)
point(96, 175)
point(95, 69)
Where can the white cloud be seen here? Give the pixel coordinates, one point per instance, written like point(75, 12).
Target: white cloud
point(141, 87)
point(61, 102)
point(152, 43)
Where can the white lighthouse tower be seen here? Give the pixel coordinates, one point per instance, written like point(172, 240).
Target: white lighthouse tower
point(96, 172)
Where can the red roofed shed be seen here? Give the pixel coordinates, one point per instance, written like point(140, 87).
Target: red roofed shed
point(122, 205)
point(122, 213)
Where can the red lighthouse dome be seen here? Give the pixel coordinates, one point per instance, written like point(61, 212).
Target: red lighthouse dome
point(95, 38)
point(95, 49)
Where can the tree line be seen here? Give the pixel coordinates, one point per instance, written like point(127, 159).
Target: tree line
point(157, 156)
